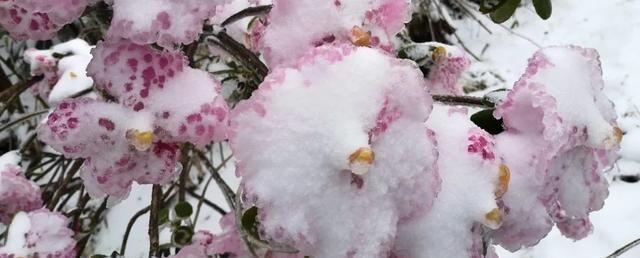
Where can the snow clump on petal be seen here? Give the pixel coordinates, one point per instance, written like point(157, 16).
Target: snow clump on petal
point(338, 139)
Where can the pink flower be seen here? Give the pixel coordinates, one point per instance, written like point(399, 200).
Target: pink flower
point(162, 103)
point(38, 19)
point(561, 135)
point(39, 233)
point(16, 192)
point(185, 102)
point(472, 179)
point(334, 151)
point(309, 23)
point(166, 22)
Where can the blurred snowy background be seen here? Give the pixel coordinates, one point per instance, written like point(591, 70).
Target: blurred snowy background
point(610, 26)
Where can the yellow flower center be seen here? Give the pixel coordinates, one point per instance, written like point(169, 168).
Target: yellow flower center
point(140, 140)
point(438, 53)
point(360, 161)
point(504, 175)
point(359, 37)
point(494, 218)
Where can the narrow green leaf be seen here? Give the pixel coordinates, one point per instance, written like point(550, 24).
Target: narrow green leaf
point(485, 120)
point(543, 8)
point(505, 11)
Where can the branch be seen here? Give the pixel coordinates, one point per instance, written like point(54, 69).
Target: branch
point(625, 248)
point(238, 51)
point(58, 193)
point(229, 195)
point(154, 242)
point(460, 100)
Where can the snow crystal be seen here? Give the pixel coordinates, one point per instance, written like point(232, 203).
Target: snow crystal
point(38, 19)
point(294, 137)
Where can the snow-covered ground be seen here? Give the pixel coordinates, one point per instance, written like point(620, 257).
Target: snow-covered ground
point(613, 28)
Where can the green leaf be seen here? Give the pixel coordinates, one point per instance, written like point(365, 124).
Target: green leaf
point(183, 210)
point(163, 216)
point(485, 120)
point(543, 8)
point(250, 222)
point(505, 11)
point(182, 235)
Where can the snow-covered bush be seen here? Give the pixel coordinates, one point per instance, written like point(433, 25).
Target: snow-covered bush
point(349, 140)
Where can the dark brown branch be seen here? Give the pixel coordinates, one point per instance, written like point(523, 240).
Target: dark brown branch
point(134, 218)
point(207, 202)
point(239, 52)
point(59, 192)
point(460, 100)
point(154, 238)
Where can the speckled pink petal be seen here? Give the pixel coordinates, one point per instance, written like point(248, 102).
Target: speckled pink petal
point(38, 19)
point(16, 193)
point(166, 22)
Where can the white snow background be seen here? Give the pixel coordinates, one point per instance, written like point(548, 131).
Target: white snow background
point(610, 26)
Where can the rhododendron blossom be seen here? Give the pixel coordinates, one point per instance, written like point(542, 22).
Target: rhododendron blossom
point(166, 22)
point(561, 134)
point(442, 65)
point(294, 26)
point(38, 19)
point(184, 102)
point(63, 77)
point(162, 103)
point(16, 192)
point(226, 242)
point(338, 139)
point(40, 233)
point(472, 178)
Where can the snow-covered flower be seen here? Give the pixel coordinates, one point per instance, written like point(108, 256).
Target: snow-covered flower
point(442, 65)
point(162, 103)
point(334, 151)
point(40, 233)
point(166, 22)
point(472, 178)
point(226, 242)
point(561, 135)
point(16, 192)
point(38, 19)
point(63, 77)
point(185, 102)
point(295, 26)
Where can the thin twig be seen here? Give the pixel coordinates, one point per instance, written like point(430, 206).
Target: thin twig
point(228, 193)
point(58, 193)
point(22, 119)
point(134, 218)
point(625, 248)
